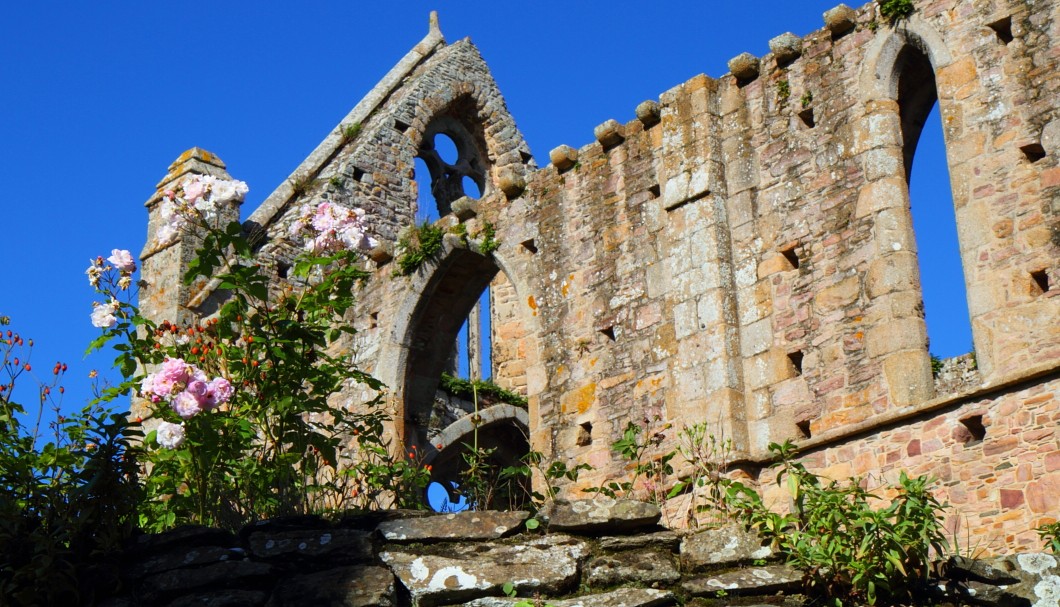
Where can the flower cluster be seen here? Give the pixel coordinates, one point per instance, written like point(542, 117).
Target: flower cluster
point(332, 227)
point(199, 196)
point(186, 388)
point(122, 261)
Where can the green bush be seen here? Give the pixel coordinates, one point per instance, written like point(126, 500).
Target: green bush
point(66, 505)
point(1050, 534)
point(895, 10)
point(851, 551)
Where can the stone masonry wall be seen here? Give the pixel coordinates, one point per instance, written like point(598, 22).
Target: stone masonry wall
point(740, 254)
point(598, 553)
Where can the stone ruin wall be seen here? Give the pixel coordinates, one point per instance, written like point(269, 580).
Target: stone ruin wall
point(737, 257)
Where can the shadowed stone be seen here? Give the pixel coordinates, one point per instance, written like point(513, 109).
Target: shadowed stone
point(459, 526)
point(340, 545)
point(600, 515)
point(229, 574)
point(465, 208)
point(840, 19)
point(647, 567)
point(511, 182)
point(563, 157)
point(649, 113)
point(786, 47)
point(744, 66)
point(964, 568)
point(623, 597)
point(357, 586)
point(750, 581)
point(610, 134)
point(728, 545)
point(222, 598)
point(548, 565)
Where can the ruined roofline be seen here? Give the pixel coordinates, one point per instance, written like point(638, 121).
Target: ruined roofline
point(784, 51)
point(274, 204)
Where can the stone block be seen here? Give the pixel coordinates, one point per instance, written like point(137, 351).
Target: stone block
point(356, 586)
point(465, 208)
point(895, 336)
point(840, 19)
point(726, 546)
point(892, 273)
point(511, 182)
point(563, 157)
point(622, 597)
point(610, 134)
point(756, 581)
point(649, 113)
point(744, 66)
point(909, 378)
point(548, 564)
point(641, 567)
point(786, 47)
point(600, 515)
point(470, 525)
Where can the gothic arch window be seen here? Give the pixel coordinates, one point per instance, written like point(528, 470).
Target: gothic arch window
point(931, 206)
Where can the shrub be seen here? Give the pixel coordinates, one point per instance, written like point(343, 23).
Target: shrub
point(66, 505)
point(1050, 534)
point(896, 10)
point(850, 551)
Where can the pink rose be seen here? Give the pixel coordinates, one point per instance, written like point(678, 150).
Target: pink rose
point(186, 405)
point(123, 260)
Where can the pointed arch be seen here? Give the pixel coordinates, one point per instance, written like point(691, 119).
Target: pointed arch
point(899, 89)
point(438, 300)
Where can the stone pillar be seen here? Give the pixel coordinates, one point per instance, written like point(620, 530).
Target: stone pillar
point(163, 294)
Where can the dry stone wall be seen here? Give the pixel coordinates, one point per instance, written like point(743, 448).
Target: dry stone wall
point(599, 553)
point(740, 254)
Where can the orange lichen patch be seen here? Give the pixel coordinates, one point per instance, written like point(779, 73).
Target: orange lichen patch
point(648, 385)
point(530, 301)
point(579, 399)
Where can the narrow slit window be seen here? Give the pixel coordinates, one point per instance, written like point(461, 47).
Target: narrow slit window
point(401, 126)
point(585, 434)
point(975, 430)
point(1003, 29)
point(654, 191)
point(1040, 278)
point(1033, 152)
point(806, 116)
point(529, 246)
point(804, 429)
point(608, 332)
point(791, 255)
point(796, 361)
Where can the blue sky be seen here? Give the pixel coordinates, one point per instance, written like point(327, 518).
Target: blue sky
point(99, 98)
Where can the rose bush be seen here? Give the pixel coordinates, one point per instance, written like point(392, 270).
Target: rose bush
point(248, 422)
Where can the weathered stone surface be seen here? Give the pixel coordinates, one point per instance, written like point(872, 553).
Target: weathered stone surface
point(659, 539)
point(649, 113)
point(988, 595)
point(548, 564)
point(356, 586)
point(728, 545)
point(786, 47)
point(563, 157)
point(511, 182)
point(188, 556)
point(339, 545)
point(600, 515)
point(465, 208)
point(647, 567)
point(964, 568)
point(623, 597)
point(744, 66)
point(749, 581)
point(222, 598)
point(840, 19)
point(469, 525)
point(187, 535)
point(610, 133)
point(245, 574)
